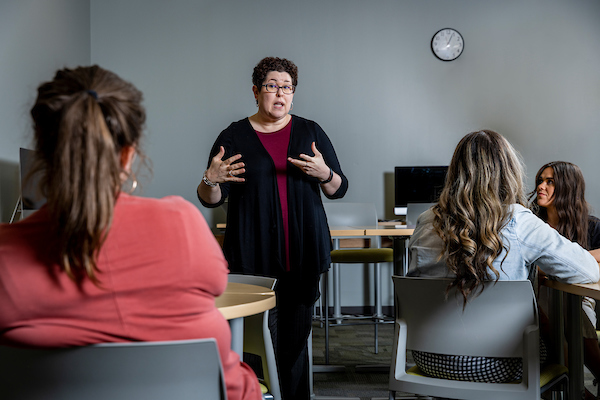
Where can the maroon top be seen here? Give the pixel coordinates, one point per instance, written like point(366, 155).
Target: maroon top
point(277, 143)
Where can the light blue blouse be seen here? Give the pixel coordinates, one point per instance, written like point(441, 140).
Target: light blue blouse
point(530, 242)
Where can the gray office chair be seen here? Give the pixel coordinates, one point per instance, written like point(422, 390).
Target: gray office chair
point(180, 370)
point(257, 339)
point(501, 322)
point(355, 215)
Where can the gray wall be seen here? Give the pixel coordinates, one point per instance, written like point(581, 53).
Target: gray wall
point(36, 38)
point(367, 76)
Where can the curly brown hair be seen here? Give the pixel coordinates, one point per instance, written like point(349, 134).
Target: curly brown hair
point(277, 64)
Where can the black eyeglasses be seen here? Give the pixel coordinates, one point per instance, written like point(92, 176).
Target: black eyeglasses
point(273, 88)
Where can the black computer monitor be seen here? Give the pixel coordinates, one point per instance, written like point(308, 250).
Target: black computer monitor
point(417, 185)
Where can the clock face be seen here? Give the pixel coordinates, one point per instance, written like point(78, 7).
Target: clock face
point(447, 44)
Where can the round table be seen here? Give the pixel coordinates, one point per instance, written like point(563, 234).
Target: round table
point(242, 300)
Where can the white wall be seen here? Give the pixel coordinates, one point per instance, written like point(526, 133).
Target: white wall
point(36, 38)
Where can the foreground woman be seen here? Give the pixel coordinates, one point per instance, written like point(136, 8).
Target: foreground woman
point(98, 265)
point(481, 231)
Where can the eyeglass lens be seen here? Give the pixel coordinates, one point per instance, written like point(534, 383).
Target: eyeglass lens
point(272, 88)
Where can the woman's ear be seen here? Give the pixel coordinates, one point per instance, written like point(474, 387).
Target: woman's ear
point(127, 156)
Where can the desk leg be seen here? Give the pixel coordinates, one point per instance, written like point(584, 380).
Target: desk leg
point(326, 314)
point(327, 367)
point(557, 321)
point(237, 336)
point(337, 296)
point(575, 354)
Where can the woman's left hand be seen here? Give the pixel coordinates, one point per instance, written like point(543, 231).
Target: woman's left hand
point(312, 166)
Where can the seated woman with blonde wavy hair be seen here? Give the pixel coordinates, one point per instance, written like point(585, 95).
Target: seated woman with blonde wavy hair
point(480, 230)
point(96, 264)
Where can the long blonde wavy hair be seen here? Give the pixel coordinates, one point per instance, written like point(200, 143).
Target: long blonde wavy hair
point(484, 179)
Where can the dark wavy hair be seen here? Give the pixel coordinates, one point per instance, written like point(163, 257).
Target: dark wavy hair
point(82, 119)
point(569, 200)
point(484, 179)
point(277, 64)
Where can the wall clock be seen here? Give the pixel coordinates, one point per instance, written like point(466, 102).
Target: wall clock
point(447, 44)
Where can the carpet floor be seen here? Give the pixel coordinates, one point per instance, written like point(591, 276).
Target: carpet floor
point(362, 374)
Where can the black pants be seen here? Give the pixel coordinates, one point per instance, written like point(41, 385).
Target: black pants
point(290, 324)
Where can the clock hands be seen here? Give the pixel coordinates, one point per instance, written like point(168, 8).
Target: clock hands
point(449, 39)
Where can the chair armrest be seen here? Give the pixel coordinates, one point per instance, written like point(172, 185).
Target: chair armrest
point(531, 355)
point(399, 350)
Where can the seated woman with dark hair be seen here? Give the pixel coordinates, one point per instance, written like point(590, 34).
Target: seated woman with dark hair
point(479, 231)
point(98, 265)
point(559, 199)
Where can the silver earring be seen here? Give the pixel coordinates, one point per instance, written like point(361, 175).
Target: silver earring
point(134, 183)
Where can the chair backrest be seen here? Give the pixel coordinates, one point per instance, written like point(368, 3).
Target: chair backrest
point(350, 214)
point(262, 281)
point(187, 369)
point(492, 324)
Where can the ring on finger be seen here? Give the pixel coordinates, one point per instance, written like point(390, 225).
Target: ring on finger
point(230, 174)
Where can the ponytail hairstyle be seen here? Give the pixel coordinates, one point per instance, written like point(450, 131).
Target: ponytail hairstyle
point(82, 120)
point(568, 199)
point(484, 179)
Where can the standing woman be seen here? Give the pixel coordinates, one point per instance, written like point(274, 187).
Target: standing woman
point(559, 199)
point(481, 231)
point(96, 264)
point(273, 167)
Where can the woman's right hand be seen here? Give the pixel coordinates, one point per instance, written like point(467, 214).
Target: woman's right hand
point(227, 170)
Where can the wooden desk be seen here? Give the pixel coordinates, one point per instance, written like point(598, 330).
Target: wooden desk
point(573, 328)
point(242, 300)
point(580, 289)
point(398, 235)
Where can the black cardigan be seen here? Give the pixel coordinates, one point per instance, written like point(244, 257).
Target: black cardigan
point(254, 238)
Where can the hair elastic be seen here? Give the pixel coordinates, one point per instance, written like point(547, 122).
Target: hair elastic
point(93, 94)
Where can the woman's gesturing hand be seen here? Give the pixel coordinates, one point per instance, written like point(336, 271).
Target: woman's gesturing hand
point(312, 166)
point(225, 170)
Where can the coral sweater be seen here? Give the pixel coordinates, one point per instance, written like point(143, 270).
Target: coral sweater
point(160, 271)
